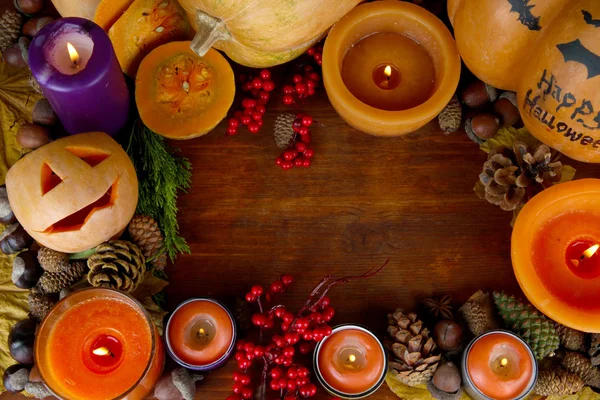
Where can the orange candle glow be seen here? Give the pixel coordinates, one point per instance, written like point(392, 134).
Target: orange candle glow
point(555, 253)
point(99, 344)
point(351, 362)
point(412, 45)
point(500, 366)
point(200, 334)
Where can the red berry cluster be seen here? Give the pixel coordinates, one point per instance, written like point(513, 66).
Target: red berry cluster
point(298, 154)
point(298, 334)
point(316, 53)
point(254, 108)
point(302, 86)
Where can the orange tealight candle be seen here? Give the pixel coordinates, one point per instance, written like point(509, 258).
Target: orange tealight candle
point(200, 334)
point(499, 365)
point(390, 67)
point(351, 362)
point(555, 253)
point(99, 344)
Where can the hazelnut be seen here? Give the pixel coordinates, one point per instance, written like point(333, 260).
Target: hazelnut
point(506, 108)
point(43, 113)
point(33, 26)
point(447, 378)
point(484, 126)
point(29, 7)
point(32, 136)
point(448, 335)
point(15, 377)
point(14, 57)
point(478, 94)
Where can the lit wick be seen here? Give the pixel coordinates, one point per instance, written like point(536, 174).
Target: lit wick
point(586, 254)
point(351, 358)
point(387, 72)
point(201, 333)
point(102, 351)
point(73, 54)
point(503, 362)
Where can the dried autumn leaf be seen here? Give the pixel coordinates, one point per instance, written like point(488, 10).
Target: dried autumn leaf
point(506, 137)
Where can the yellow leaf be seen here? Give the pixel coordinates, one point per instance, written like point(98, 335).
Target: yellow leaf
point(506, 137)
point(568, 173)
point(412, 393)
point(149, 287)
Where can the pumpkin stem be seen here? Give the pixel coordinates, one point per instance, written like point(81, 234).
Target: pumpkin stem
point(210, 30)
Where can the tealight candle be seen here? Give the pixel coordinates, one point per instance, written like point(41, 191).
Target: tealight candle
point(555, 253)
point(390, 67)
point(351, 362)
point(498, 365)
point(200, 334)
point(99, 344)
point(76, 67)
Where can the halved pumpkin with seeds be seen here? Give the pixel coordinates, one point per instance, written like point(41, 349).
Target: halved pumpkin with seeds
point(181, 95)
point(146, 25)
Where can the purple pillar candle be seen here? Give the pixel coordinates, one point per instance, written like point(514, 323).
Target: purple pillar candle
point(75, 64)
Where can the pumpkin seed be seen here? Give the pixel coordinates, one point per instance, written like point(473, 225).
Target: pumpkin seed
point(159, 29)
point(186, 86)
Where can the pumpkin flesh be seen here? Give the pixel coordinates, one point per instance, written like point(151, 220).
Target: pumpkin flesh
point(146, 25)
point(181, 95)
point(109, 11)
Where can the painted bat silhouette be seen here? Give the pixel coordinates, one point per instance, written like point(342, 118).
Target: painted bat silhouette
point(576, 51)
point(526, 17)
point(590, 20)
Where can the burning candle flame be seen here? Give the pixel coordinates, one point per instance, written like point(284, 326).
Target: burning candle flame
point(351, 358)
point(503, 362)
point(73, 54)
point(388, 72)
point(201, 331)
point(102, 351)
point(591, 251)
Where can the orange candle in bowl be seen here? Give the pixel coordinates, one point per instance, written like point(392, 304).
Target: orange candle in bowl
point(351, 362)
point(555, 253)
point(99, 344)
point(390, 67)
point(201, 334)
point(498, 365)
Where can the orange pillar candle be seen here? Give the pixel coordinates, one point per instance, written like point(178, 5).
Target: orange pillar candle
point(201, 334)
point(390, 67)
point(555, 254)
point(498, 365)
point(351, 362)
point(99, 344)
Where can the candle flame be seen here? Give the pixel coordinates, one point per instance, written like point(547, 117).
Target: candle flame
point(504, 362)
point(102, 351)
point(591, 251)
point(351, 358)
point(388, 71)
point(201, 331)
point(73, 54)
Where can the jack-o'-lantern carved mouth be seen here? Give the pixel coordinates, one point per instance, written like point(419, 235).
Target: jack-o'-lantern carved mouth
point(75, 221)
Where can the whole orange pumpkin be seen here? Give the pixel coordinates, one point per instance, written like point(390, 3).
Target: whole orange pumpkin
point(549, 52)
point(262, 33)
point(74, 193)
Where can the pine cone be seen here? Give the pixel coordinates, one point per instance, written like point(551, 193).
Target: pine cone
point(479, 314)
point(283, 131)
point(54, 282)
point(117, 264)
point(510, 174)
point(415, 354)
point(10, 28)
point(146, 234)
point(439, 307)
point(537, 330)
point(581, 366)
point(52, 260)
point(571, 339)
point(594, 350)
point(40, 304)
point(450, 119)
point(557, 382)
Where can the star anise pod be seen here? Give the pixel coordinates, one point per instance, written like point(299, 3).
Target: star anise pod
point(439, 307)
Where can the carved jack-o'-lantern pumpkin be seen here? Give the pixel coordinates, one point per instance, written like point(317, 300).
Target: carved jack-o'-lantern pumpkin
point(548, 51)
point(74, 193)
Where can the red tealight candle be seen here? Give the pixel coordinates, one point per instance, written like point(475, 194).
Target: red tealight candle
point(200, 334)
point(351, 362)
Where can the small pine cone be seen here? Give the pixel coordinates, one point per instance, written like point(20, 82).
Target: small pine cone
point(571, 339)
point(557, 382)
point(146, 234)
point(34, 84)
point(283, 131)
point(54, 282)
point(10, 28)
point(479, 314)
point(580, 365)
point(117, 264)
point(52, 260)
point(40, 304)
point(450, 118)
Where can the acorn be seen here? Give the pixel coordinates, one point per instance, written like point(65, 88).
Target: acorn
point(33, 26)
point(29, 7)
point(507, 109)
point(482, 127)
point(16, 377)
point(26, 270)
point(6, 213)
point(32, 136)
point(478, 94)
point(447, 378)
point(448, 335)
point(14, 57)
point(43, 113)
point(14, 239)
